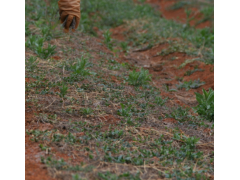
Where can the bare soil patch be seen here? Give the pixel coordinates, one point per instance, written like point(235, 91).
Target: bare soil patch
point(179, 14)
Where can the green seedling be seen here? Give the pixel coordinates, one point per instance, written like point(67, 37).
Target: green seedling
point(188, 14)
point(205, 107)
point(159, 101)
point(125, 110)
point(31, 63)
point(111, 176)
point(63, 90)
point(108, 39)
point(180, 114)
point(34, 41)
point(27, 30)
point(36, 44)
point(190, 84)
point(124, 46)
point(45, 52)
point(113, 134)
point(46, 32)
point(139, 78)
point(190, 72)
point(86, 111)
point(79, 68)
point(76, 177)
point(43, 148)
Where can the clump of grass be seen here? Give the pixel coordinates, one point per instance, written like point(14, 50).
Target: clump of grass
point(180, 114)
point(35, 43)
point(110, 176)
point(31, 63)
point(190, 72)
point(190, 84)
point(108, 39)
point(159, 101)
point(125, 110)
point(124, 46)
point(79, 68)
point(27, 30)
point(45, 52)
point(86, 111)
point(63, 90)
point(139, 78)
point(205, 107)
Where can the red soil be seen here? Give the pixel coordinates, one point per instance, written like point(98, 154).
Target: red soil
point(34, 169)
point(108, 120)
point(117, 33)
point(170, 120)
point(179, 14)
point(165, 72)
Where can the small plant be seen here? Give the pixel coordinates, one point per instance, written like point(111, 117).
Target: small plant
point(46, 32)
point(188, 14)
point(36, 44)
point(190, 84)
point(190, 72)
point(32, 63)
point(205, 107)
point(42, 147)
point(45, 52)
point(124, 46)
point(86, 111)
point(114, 134)
point(180, 114)
point(110, 176)
point(139, 78)
point(159, 101)
point(108, 39)
point(34, 41)
point(79, 68)
point(76, 177)
point(191, 142)
point(125, 111)
point(63, 90)
point(27, 30)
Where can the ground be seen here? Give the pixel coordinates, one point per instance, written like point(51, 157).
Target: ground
point(89, 117)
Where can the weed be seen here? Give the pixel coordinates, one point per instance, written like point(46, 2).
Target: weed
point(113, 134)
point(32, 63)
point(124, 46)
point(188, 13)
point(190, 72)
point(79, 68)
point(76, 177)
point(159, 101)
point(190, 84)
point(111, 176)
point(45, 52)
point(27, 30)
point(36, 44)
point(205, 107)
point(139, 78)
point(108, 39)
point(180, 114)
point(166, 87)
point(46, 32)
point(43, 148)
point(86, 111)
point(125, 110)
point(63, 90)
point(34, 41)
